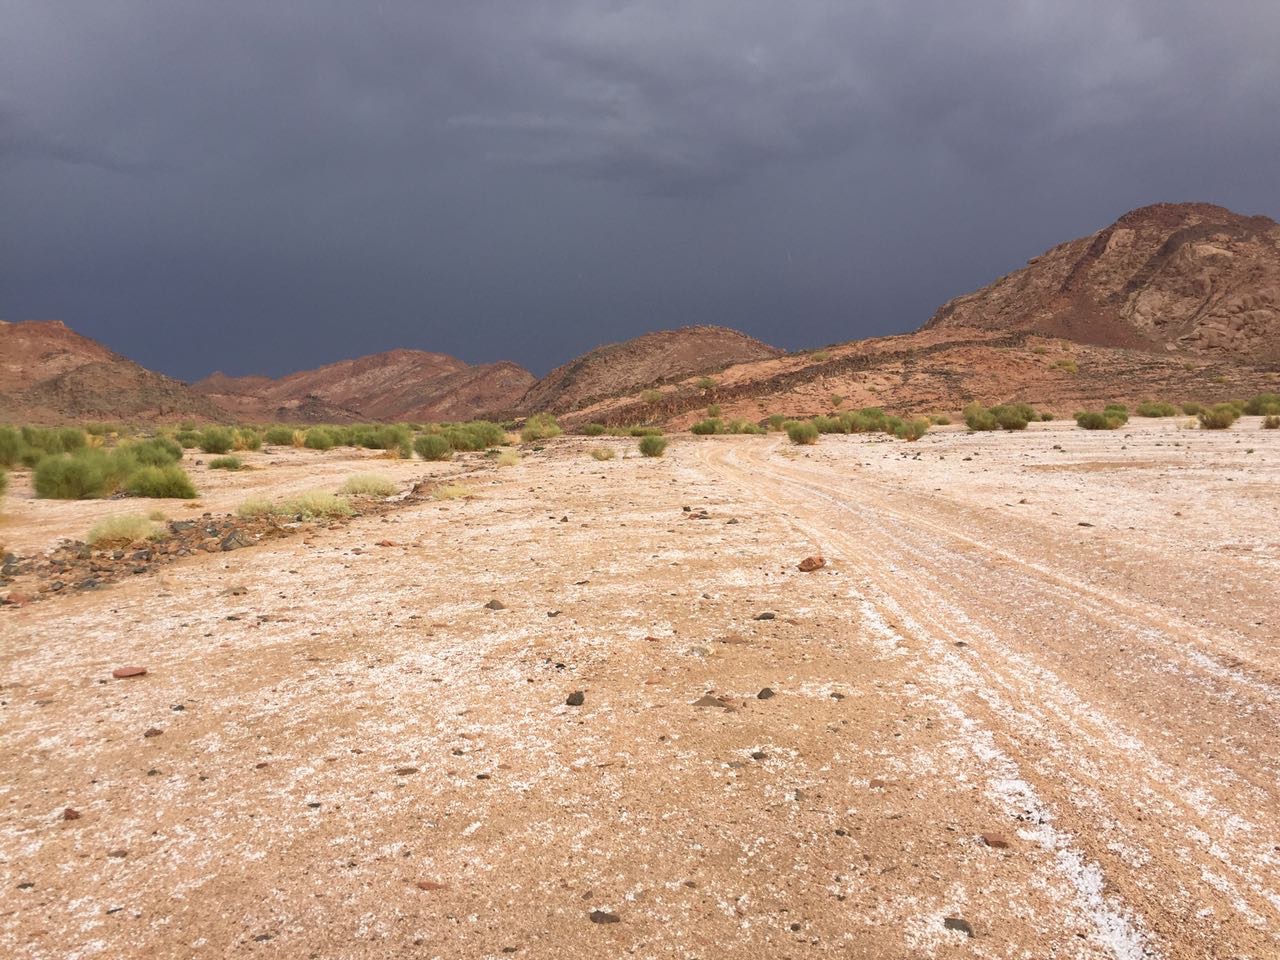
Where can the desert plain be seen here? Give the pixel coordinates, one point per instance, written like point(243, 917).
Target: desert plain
point(1028, 706)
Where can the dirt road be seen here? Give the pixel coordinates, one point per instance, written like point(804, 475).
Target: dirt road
point(995, 731)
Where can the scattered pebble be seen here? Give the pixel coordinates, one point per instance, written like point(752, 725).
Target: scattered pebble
point(575, 699)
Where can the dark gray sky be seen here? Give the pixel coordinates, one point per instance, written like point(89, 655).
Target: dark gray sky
point(261, 187)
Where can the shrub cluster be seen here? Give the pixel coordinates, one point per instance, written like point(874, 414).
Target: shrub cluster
point(653, 446)
point(148, 468)
point(1268, 423)
point(369, 485)
point(1111, 417)
point(1153, 408)
point(540, 426)
point(1219, 417)
point(1264, 405)
point(226, 463)
point(1004, 416)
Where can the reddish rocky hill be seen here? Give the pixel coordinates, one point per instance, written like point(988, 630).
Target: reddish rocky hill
point(396, 385)
point(1188, 278)
point(665, 356)
point(51, 374)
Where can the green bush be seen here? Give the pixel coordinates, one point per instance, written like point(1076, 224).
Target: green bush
point(651, 397)
point(705, 384)
point(369, 485)
point(248, 439)
point(802, 432)
point(653, 446)
point(826, 424)
point(743, 426)
point(978, 417)
point(593, 430)
point(644, 431)
point(319, 438)
point(1013, 416)
point(67, 477)
point(776, 422)
point(1192, 408)
point(1218, 417)
point(1118, 411)
point(1099, 420)
point(433, 446)
point(707, 427)
point(713, 411)
point(475, 435)
point(911, 429)
point(11, 447)
point(187, 439)
point(940, 421)
point(540, 426)
point(279, 436)
point(120, 531)
point(156, 452)
point(226, 463)
point(1271, 423)
point(602, 453)
point(1153, 408)
point(217, 440)
point(4, 482)
point(1263, 405)
point(161, 482)
point(54, 439)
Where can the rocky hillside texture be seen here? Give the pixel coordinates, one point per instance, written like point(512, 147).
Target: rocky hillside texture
point(396, 385)
point(666, 356)
point(1188, 278)
point(50, 374)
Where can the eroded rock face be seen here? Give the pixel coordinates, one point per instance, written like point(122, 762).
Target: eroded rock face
point(1187, 277)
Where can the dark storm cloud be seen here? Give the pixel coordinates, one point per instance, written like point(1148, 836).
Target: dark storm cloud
point(264, 186)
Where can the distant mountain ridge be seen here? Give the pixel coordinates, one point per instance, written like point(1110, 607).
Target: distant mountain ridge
point(1186, 277)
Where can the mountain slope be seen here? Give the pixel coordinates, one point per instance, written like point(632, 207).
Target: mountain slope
point(50, 374)
point(1191, 277)
point(655, 358)
point(395, 385)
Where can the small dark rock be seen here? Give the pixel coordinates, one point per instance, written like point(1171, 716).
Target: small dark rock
point(495, 605)
point(575, 699)
point(70, 813)
point(766, 694)
point(766, 616)
point(604, 916)
point(958, 923)
point(152, 732)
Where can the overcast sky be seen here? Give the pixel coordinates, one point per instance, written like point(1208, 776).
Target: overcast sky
point(263, 186)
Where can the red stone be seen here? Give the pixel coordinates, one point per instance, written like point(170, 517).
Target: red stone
point(121, 673)
point(71, 814)
point(810, 564)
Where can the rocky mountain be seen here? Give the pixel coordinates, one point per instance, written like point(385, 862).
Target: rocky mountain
point(1189, 278)
point(396, 385)
point(665, 356)
point(51, 374)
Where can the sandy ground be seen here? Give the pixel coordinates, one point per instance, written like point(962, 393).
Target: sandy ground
point(357, 759)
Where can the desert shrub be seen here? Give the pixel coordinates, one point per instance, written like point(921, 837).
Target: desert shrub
point(1098, 420)
point(978, 417)
point(433, 446)
point(319, 438)
point(802, 432)
point(540, 426)
point(4, 482)
point(912, 429)
point(651, 396)
point(247, 439)
point(1191, 408)
point(316, 503)
point(775, 422)
point(705, 384)
point(652, 446)
point(11, 447)
point(1268, 423)
point(1067, 366)
point(119, 531)
point(508, 458)
point(1263, 405)
point(830, 424)
point(939, 420)
point(820, 355)
point(475, 435)
point(743, 426)
point(713, 411)
point(1040, 350)
point(593, 430)
point(1218, 417)
point(392, 438)
point(160, 482)
point(98, 429)
point(1013, 416)
point(187, 439)
point(707, 427)
point(217, 440)
point(278, 436)
point(256, 507)
point(66, 477)
point(452, 491)
point(602, 453)
point(369, 485)
point(226, 463)
point(54, 439)
point(1117, 411)
point(156, 452)
point(1153, 408)
point(644, 431)
point(1046, 417)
